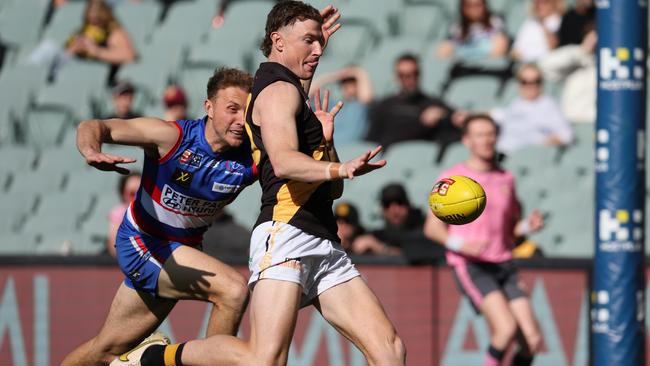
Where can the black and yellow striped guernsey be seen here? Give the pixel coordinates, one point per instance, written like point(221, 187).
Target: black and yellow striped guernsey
point(307, 206)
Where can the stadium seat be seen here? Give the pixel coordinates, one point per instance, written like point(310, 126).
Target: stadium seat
point(17, 244)
point(515, 15)
point(95, 223)
point(569, 226)
point(194, 82)
point(352, 150)
point(246, 208)
point(577, 161)
point(367, 11)
point(33, 182)
point(16, 158)
point(67, 243)
point(211, 55)
point(77, 83)
point(584, 133)
point(186, 23)
point(454, 154)
point(61, 159)
point(363, 193)
point(15, 15)
point(243, 25)
point(156, 65)
point(65, 21)
point(406, 157)
point(87, 180)
point(139, 19)
point(510, 92)
point(434, 71)
point(428, 21)
point(7, 125)
point(473, 93)
point(420, 184)
point(19, 83)
point(58, 211)
point(16, 207)
point(351, 42)
point(379, 62)
point(45, 128)
point(126, 151)
point(530, 160)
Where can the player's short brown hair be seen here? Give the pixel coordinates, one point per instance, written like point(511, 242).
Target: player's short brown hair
point(475, 117)
point(225, 77)
point(287, 13)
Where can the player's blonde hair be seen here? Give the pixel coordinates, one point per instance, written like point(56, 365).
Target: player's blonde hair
point(225, 77)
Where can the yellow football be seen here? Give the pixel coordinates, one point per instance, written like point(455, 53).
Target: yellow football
point(457, 200)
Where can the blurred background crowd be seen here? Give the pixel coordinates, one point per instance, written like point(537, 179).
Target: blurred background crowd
point(408, 71)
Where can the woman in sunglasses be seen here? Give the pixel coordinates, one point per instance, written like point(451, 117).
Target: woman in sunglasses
point(533, 118)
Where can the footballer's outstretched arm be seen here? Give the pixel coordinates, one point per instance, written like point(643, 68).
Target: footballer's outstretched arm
point(278, 104)
point(154, 135)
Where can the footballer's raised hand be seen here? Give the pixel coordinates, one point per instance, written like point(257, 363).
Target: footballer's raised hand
point(362, 165)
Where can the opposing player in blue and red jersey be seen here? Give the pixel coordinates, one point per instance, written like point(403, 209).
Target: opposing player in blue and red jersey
point(192, 169)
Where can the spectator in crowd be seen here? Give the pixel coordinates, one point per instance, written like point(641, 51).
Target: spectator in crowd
point(537, 36)
point(357, 94)
point(411, 114)
point(122, 99)
point(226, 238)
point(574, 63)
point(100, 38)
point(577, 22)
point(354, 238)
point(127, 188)
point(532, 119)
point(403, 225)
point(480, 252)
point(175, 103)
point(479, 34)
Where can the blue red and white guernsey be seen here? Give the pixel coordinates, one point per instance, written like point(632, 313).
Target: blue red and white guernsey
point(180, 195)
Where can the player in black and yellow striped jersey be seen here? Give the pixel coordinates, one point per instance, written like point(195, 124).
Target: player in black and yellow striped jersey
point(295, 256)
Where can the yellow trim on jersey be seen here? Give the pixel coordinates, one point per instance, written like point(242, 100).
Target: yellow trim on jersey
point(294, 194)
point(255, 151)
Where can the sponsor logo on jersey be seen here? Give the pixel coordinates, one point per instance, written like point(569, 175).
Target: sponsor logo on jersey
point(182, 178)
point(189, 157)
point(184, 204)
point(224, 188)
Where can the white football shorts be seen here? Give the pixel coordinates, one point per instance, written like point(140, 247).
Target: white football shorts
point(283, 252)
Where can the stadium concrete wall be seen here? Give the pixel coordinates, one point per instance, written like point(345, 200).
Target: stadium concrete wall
point(48, 309)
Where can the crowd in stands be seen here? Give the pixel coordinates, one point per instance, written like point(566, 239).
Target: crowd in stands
point(554, 44)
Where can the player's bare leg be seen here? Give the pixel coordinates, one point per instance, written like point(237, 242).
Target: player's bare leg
point(531, 336)
point(191, 274)
point(354, 310)
point(133, 316)
point(503, 326)
point(274, 309)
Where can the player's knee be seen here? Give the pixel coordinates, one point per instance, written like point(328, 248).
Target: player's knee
point(233, 296)
point(399, 349)
point(391, 351)
point(504, 332)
